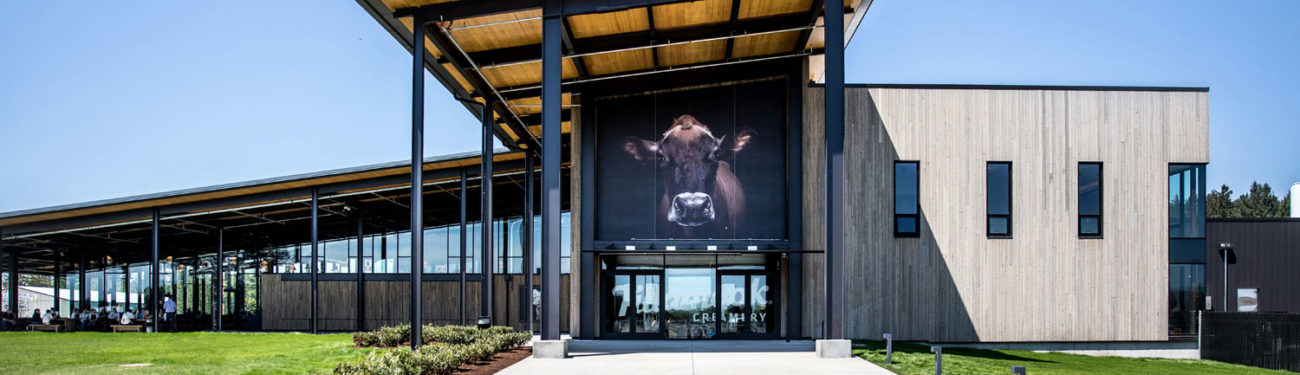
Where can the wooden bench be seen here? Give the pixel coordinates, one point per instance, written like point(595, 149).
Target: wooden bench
point(47, 327)
point(127, 328)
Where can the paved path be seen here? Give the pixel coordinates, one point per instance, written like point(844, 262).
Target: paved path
point(635, 357)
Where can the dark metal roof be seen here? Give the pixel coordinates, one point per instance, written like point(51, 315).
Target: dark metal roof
point(244, 184)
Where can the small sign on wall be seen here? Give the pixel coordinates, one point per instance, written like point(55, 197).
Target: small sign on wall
point(1247, 299)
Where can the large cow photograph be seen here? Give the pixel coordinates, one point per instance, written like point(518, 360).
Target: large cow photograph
point(695, 164)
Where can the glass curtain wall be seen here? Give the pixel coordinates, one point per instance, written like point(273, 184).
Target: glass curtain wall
point(390, 252)
point(1186, 247)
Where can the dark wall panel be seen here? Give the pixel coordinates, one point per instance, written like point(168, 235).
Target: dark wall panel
point(1266, 254)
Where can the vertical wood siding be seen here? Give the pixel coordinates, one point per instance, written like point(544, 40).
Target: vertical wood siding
point(953, 284)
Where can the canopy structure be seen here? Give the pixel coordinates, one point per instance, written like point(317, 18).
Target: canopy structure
point(491, 49)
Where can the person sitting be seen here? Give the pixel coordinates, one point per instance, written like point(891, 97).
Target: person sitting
point(113, 314)
point(36, 315)
point(8, 321)
point(126, 317)
point(47, 317)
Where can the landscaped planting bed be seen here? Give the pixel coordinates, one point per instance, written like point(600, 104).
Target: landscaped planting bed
point(447, 349)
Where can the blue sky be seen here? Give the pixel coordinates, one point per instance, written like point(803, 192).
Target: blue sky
point(103, 100)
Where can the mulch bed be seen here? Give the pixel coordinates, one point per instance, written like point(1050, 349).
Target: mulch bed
point(500, 361)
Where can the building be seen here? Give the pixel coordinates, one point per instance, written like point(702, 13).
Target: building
point(695, 181)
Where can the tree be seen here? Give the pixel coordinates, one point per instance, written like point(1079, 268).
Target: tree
point(1259, 203)
point(1219, 203)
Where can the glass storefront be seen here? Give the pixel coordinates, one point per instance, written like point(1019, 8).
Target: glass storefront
point(703, 296)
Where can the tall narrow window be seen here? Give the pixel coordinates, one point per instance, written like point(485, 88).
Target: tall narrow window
point(1090, 224)
point(998, 176)
point(906, 199)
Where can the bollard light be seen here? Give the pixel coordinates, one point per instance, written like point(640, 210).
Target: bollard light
point(889, 348)
point(1018, 370)
point(484, 322)
point(938, 359)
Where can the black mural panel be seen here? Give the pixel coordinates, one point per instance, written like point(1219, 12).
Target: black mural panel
point(696, 164)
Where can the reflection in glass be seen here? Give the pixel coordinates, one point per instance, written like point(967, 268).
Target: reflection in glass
point(1186, 297)
point(620, 298)
point(690, 302)
point(647, 303)
point(733, 304)
point(759, 299)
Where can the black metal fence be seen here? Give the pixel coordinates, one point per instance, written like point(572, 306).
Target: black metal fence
point(1259, 339)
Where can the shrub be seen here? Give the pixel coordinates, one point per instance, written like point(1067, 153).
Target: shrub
point(394, 336)
point(365, 339)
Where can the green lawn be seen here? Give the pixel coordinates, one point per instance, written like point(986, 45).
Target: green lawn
point(913, 359)
point(84, 353)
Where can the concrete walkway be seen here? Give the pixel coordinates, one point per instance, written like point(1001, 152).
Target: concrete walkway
point(656, 357)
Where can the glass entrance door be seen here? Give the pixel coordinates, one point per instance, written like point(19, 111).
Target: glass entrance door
point(746, 304)
point(632, 303)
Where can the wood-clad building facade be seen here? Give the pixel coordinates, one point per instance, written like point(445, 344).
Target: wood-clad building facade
point(1044, 281)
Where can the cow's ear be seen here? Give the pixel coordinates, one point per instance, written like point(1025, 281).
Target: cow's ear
point(640, 149)
point(743, 137)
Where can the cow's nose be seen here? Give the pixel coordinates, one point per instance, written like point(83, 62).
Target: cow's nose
point(692, 209)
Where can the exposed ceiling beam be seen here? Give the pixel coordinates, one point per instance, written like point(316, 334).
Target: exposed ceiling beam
point(469, 9)
point(650, 39)
point(529, 91)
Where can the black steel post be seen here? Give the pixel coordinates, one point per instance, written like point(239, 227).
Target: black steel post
point(153, 269)
point(58, 271)
point(83, 301)
point(417, 178)
point(221, 274)
point(551, 74)
point(315, 262)
point(529, 160)
point(13, 280)
point(463, 241)
point(485, 217)
point(361, 274)
point(834, 171)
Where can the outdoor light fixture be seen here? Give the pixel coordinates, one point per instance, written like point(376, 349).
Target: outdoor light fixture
point(108, 259)
point(169, 259)
point(1225, 250)
point(484, 322)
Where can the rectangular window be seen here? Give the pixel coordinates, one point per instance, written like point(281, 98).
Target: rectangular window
point(998, 223)
point(1090, 200)
point(906, 199)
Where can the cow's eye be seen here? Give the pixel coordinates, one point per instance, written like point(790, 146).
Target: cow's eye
point(662, 158)
point(717, 154)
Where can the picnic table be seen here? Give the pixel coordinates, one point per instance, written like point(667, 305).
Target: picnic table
point(47, 327)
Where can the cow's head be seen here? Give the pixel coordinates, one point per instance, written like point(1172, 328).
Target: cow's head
point(687, 158)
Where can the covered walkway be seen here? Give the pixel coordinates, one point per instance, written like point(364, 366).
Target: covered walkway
point(667, 357)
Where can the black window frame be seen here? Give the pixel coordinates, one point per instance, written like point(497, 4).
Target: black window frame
point(1101, 202)
point(894, 200)
point(988, 217)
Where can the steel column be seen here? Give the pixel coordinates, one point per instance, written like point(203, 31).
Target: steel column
point(834, 32)
point(361, 274)
point(417, 177)
point(58, 270)
point(315, 263)
point(13, 281)
point(485, 218)
point(83, 301)
point(153, 269)
point(221, 274)
point(529, 160)
point(552, 14)
point(464, 175)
